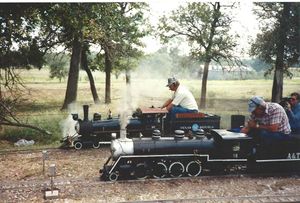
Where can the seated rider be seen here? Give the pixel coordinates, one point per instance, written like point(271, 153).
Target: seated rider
point(268, 121)
point(182, 100)
point(293, 112)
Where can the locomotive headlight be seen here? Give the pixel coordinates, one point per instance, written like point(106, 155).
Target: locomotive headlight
point(77, 127)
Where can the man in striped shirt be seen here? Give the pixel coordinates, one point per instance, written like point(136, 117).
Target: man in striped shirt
point(268, 121)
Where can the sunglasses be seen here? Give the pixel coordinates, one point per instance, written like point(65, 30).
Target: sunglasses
point(293, 99)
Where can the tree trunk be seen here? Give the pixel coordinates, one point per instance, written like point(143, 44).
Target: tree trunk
point(216, 17)
point(108, 68)
point(71, 92)
point(277, 88)
point(128, 77)
point(277, 83)
point(204, 85)
point(90, 76)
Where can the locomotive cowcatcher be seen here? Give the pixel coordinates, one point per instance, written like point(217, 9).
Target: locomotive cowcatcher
point(177, 156)
point(92, 133)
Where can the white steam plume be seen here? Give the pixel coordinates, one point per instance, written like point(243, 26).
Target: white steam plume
point(68, 125)
point(125, 109)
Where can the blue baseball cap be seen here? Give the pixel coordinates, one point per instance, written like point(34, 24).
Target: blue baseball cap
point(255, 102)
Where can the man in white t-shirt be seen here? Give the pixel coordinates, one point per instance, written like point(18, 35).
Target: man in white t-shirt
point(182, 101)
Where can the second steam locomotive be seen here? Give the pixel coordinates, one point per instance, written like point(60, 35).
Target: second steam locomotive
point(92, 133)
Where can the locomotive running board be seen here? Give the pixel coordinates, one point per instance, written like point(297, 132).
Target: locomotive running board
point(177, 155)
point(276, 160)
point(108, 142)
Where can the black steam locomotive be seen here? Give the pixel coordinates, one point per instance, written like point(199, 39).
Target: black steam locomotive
point(160, 157)
point(92, 133)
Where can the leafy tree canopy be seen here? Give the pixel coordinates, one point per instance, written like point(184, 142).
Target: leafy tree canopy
point(265, 46)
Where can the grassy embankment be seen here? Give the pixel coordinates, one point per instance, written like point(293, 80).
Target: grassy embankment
point(45, 98)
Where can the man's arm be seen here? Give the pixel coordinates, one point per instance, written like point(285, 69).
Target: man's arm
point(167, 104)
point(271, 128)
point(252, 124)
point(294, 116)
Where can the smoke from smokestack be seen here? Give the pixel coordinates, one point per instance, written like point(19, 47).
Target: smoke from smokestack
point(125, 110)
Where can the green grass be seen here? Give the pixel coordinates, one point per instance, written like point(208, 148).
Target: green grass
point(49, 122)
point(45, 98)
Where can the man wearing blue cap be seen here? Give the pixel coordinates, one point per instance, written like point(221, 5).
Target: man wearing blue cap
point(182, 100)
point(293, 112)
point(268, 120)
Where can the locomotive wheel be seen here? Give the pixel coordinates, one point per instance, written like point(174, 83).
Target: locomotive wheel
point(140, 171)
point(194, 168)
point(96, 145)
point(78, 145)
point(113, 176)
point(160, 170)
point(176, 169)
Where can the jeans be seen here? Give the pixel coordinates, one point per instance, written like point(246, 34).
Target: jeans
point(179, 109)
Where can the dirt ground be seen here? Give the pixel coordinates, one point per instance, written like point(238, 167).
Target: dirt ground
point(22, 180)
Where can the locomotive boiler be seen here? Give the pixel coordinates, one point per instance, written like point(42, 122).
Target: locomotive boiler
point(177, 156)
point(143, 121)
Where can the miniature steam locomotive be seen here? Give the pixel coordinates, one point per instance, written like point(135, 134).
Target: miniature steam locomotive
point(160, 157)
point(96, 131)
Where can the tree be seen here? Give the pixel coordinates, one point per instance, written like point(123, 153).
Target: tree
point(70, 20)
point(58, 65)
point(73, 24)
point(278, 43)
point(21, 47)
point(207, 30)
point(121, 29)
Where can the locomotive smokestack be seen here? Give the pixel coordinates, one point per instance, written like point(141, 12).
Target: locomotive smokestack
point(85, 112)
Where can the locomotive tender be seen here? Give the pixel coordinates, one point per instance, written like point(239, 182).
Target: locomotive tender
point(96, 131)
point(160, 157)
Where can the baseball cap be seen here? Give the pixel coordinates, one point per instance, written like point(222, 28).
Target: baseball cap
point(255, 102)
point(171, 81)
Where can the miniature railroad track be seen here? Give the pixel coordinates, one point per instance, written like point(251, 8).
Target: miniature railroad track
point(40, 185)
point(251, 198)
point(49, 149)
point(27, 151)
point(93, 181)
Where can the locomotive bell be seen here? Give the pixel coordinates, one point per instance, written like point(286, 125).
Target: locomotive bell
point(97, 117)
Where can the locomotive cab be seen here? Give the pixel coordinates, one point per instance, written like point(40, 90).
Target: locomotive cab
point(151, 119)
